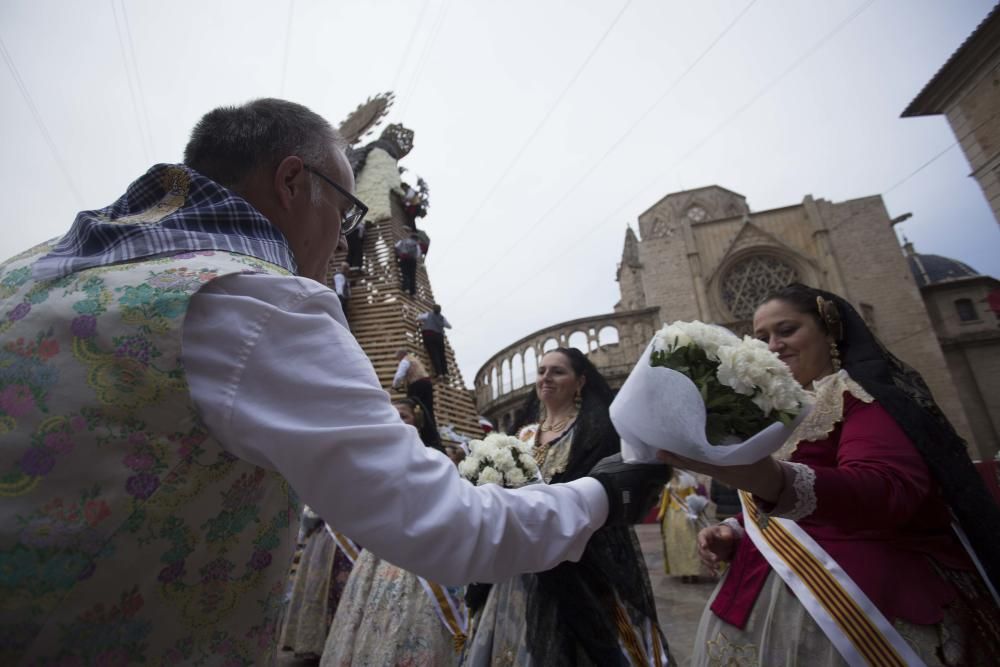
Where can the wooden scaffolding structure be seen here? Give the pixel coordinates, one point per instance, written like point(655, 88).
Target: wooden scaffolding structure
point(383, 318)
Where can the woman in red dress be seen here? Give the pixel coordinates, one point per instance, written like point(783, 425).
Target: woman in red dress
point(870, 483)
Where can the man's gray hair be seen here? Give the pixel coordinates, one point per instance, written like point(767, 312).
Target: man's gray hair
point(230, 142)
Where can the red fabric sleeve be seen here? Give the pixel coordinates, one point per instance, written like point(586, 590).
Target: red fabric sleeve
point(879, 481)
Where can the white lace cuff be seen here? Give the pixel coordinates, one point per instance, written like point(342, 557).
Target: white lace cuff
point(798, 499)
point(735, 525)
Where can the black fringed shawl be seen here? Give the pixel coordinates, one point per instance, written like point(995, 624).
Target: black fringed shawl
point(570, 609)
point(905, 396)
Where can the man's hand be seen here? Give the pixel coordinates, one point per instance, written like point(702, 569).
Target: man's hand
point(716, 545)
point(632, 488)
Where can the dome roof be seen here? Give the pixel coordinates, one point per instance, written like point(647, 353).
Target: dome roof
point(931, 269)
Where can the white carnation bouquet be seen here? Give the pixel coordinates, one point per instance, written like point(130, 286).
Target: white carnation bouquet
point(500, 459)
point(702, 392)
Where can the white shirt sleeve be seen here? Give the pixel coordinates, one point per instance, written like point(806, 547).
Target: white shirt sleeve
point(339, 282)
point(280, 382)
point(401, 371)
point(445, 323)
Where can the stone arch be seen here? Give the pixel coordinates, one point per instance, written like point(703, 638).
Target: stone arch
point(608, 335)
point(578, 339)
point(494, 385)
point(530, 365)
point(550, 344)
point(517, 371)
point(505, 377)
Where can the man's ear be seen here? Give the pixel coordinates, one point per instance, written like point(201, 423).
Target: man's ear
point(289, 181)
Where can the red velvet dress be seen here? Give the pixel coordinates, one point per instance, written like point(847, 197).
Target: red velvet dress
point(878, 513)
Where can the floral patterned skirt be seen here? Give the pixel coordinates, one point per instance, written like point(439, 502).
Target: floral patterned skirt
point(781, 632)
point(386, 619)
point(499, 636)
point(316, 590)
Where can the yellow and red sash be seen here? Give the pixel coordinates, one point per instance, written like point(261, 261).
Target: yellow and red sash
point(645, 651)
point(450, 609)
point(852, 623)
point(345, 544)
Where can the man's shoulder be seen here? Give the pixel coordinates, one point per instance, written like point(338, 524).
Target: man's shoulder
point(276, 290)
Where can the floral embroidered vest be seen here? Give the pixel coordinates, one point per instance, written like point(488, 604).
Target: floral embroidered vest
point(127, 533)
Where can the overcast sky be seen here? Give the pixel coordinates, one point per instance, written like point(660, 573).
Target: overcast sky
point(543, 128)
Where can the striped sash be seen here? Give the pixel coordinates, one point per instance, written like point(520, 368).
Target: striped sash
point(346, 544)
point(854, 625)
point(450, 610)
point(648, 653)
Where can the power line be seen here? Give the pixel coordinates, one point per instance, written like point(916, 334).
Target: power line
point(417, 73)
point(545, 119)
point(614, 146)
point(138, 80)
point(38, 120)
point(757, 96)
point(409, 45)
point(288, 45)
point(920, 168)
point(587, 232)
point(128, 79)
point(938, 155)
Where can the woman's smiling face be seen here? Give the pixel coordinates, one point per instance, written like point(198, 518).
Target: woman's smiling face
point(796, 338)
point(557, 382)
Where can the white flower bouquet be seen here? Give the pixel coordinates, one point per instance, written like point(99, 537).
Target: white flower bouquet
point(702, 392)
point(500, 459)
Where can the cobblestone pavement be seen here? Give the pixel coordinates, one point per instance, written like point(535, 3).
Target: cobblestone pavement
point(678, 605)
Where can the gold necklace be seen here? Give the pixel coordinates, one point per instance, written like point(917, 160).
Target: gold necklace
point(555, 427)
point(541, 451)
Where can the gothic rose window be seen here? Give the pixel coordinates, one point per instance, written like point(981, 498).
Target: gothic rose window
point(746, 284)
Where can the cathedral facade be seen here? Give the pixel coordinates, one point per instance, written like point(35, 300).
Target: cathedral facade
point(704, 255)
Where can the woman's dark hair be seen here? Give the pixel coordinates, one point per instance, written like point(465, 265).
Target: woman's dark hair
point(902, 392)
point(426, 427)
point(418, 412)
point(800, 297)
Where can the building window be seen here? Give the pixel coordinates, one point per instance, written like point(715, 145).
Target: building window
point(966, 310)
point(748, 282)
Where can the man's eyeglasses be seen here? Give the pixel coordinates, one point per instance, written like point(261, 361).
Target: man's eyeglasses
point(352, 216)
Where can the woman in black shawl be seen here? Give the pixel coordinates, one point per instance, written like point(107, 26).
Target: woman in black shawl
point(600, 610)
point(878, 478)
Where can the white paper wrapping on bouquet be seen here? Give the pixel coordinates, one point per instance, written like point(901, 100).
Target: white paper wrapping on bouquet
point(659, 408)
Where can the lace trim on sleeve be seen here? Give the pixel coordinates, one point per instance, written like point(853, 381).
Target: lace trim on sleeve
point(804, 487)
point(827, 411)
point(735, 525)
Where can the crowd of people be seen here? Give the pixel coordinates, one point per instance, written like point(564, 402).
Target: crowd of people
point(175, 380)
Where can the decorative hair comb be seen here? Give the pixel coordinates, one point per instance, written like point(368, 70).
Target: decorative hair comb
point(831, 317)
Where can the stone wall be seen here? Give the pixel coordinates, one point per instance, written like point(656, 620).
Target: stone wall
point(612, 342)
point(848, 248)
point(972, 352)
point(974, 116)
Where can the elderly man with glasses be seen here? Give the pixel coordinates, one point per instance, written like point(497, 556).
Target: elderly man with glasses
point(174, 378)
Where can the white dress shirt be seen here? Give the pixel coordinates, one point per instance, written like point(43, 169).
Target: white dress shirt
point(281, 382)
point(340, 285)
point(401, 370)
